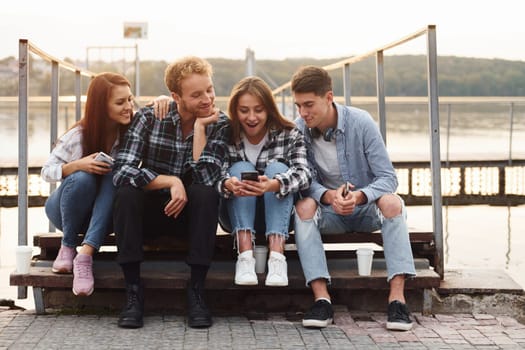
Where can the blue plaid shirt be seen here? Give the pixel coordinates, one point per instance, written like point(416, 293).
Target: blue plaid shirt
point(153, 147)
point(286, 146)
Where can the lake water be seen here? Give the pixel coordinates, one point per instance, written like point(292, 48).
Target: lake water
point(474, 236)
point(476, 129)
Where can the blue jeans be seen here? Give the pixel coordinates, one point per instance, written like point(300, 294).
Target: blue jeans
point(365, 218)
point(267, 212)
point(83, 203)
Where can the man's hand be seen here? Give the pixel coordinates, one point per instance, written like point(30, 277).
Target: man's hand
point(207, 120)
point(178, 200)
point(199, 132)
point(345, 200)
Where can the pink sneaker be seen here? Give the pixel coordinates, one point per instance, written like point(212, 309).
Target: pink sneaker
point(64, 261)
point(83, 283)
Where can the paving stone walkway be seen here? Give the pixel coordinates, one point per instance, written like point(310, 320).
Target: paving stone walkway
point(352, 330)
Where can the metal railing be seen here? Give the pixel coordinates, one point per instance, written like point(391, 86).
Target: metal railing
point(433, 104)
point(25, 47)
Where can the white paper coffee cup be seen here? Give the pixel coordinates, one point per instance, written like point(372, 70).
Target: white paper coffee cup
point(261, 254)
point(23, 258)
point(364, 261)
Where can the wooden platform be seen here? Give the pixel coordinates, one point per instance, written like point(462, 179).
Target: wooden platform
point(174, 274)
point(165, 275)
point(165, 283)
point(422, 244)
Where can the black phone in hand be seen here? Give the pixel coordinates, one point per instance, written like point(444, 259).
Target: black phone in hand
point(250, 175)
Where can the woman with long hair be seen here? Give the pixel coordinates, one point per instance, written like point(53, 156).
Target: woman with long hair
point(81, 160)
point(262, 140)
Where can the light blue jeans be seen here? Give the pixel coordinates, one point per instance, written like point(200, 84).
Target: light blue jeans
point(81, 205)
point(247, 213)
point(366, 218)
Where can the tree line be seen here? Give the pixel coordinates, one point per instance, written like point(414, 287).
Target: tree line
point(405, 75)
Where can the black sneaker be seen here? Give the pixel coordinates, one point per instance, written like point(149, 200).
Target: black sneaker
point(320, 315)
point(132, 314)
point(398, 317)
point(198, 314)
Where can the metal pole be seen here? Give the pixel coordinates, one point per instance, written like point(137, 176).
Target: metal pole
point(346, 84)
point(23, 76)
point(137, 71)
point(250, 62)
point(380, 82)
point(54, 119)
point(449, 117)
point(78, 92)
point(87, 58)
point(435, 161)
point(511, 131)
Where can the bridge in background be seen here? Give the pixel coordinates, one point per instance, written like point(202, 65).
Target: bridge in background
point(464, 182)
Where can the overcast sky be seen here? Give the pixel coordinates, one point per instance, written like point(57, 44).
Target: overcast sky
point(274, 29)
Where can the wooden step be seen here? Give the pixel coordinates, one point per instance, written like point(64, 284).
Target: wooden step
point(164, 270)
point(165, 284)
point(174, 274)
point(170, 247)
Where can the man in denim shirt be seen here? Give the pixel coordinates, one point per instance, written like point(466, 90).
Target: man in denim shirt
point(344, 146)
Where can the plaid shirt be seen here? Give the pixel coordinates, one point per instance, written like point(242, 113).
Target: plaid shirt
point(153, 147)
point(286, 146)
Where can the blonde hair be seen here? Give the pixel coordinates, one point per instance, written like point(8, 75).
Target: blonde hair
point(181, 69)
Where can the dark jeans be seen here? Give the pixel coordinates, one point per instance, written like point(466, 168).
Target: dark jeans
point(139, 214)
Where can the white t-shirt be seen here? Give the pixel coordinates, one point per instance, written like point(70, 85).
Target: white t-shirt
point(326, 157)
point(252, 151)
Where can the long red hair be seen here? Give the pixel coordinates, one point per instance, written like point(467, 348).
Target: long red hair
point(95, 123)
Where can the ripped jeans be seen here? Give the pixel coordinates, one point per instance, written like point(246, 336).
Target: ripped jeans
point(365, 218)
point(266, 213)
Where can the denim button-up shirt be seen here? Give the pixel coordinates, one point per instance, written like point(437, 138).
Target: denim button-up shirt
point(361, 154)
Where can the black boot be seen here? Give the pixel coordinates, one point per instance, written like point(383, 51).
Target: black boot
point(198, 314)
point(131, 315)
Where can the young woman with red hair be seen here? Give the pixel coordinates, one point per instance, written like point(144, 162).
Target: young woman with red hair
point(84, 200)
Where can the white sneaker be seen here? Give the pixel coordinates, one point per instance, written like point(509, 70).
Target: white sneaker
point(277, 270)
point(245, 269)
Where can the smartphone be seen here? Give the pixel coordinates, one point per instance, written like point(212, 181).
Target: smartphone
point(346, 189)
point(103, 157)
point(250, 175)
